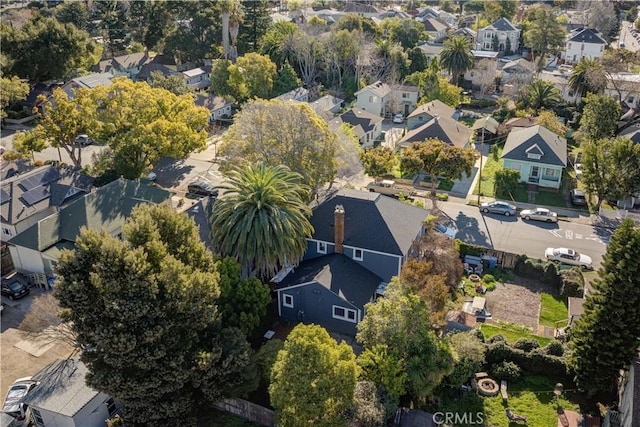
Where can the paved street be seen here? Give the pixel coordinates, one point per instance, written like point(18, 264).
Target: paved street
point(514, 235)
point(626, 37)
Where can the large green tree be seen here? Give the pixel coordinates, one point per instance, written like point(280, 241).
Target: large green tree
point(401, 322)
point(144, 310)
point(378, 161)
point(606, 337)
point(283, 133)
point(313, 379)
point(277, 42)
point(12, 90)
point(540, 94)
point(262, 220)
point(256, 22)
point(73, 12)
point(45, 49)
point(599, 117)
point(544, 34)
point(456, 57)
point(111, 18)
point(407, 32)
point(588, 76)
point(611, 168)
point(440, 159)
point(252, 76)
point(142, 124)
point(175, 84)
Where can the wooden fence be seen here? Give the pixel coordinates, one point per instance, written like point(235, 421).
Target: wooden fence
point(248, 410)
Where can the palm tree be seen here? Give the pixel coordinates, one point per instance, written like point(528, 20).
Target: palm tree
point(262, 219)
point(587, 76)
point(540, 94)
point(456, 57)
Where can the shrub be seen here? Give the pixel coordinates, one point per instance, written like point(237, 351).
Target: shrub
point(488, 278)
point(545, 271)
point(572, 283)
point(442, 197)
point(478, 333)
point(498, 352)
point(496, 338)
point(490, 286)
point(507, 371)
point(38, 163)
point(526, 344)
point(538, 362)
point(554, 348)
point(468, 249)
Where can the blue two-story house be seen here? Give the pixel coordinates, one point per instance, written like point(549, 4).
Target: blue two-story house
point(360, 241)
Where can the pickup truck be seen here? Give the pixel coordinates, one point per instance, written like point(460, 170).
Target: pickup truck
point(389, 188)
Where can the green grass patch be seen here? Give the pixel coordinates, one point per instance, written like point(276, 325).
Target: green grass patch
point(467, 121)
point(511, 332)
point(489, 169)
point(544, 197)
point(553, 309)
point(445, 185)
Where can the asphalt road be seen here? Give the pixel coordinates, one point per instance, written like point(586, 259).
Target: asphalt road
point(514, 235)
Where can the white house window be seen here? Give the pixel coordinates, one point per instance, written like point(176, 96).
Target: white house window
point(569, 47)
point(405, 95)
point(516, 167)
point(37, 417)
point(550, 172)
point(322, 248)
point(630, 100)
point(535, 156)
point(6, 231)
point(357, 254)
point(344, 314)
point(287, 300)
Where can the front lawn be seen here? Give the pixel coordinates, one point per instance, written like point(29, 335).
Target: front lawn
point(544, 197)
point(531, 396)
point(489, 169)
point(553, 309)
point(511, 332)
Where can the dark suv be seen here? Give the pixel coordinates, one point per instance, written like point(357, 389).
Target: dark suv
point(14, 289)
point(578, 197)
point(202, 188)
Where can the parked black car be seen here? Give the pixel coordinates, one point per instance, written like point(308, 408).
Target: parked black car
point(202, 188)
point(14, 289)
point(578, 197)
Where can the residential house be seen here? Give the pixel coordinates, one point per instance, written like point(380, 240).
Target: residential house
point(361, 9)
point(538, 154)
point(439, 14)
point(360, 241)
point(366, 126)
point(33, 98)
point(627, 413)
point(428, 111)
point(378, 230)
point(37, 248)
point(125, 65)
point(299, 94)
point(515, 75)
point(519, 122)
point(443, 128)
point(63, 399)
point(486, 129)
point(33, 195)
point(502, 30)
point(583, 43)
point(560, 80)
point(380, 99)
point(466, 32)
point(163, 64)
point(219, 107)
point(436, 29)
point(327, 106)
point(632, 132)
point(431, 50)
point(197, 78)
point(625, 87)
point(87, 82)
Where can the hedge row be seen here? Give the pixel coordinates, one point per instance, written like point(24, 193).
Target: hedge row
point(536, 361)
point(570, 282)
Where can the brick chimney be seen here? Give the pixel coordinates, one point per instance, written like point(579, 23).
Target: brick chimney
point(338, 228)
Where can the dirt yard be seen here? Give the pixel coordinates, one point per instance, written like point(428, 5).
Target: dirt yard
point(518, 301)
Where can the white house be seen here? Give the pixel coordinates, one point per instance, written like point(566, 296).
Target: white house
point(197, 78)
point(436, 29)
point(299, 94)
point(63, 399)
point(583, 43)
point(383, 100)
point(366, 126)
point(503, 30)
point(219, 107)
point(625, 87)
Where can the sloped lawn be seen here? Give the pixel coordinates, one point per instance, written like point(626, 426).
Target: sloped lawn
point(511, 333)
point(553, 310)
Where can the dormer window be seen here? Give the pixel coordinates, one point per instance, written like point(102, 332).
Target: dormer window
point(533, 156)
point(534, 152)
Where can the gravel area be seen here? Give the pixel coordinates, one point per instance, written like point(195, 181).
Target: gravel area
point(518, 301)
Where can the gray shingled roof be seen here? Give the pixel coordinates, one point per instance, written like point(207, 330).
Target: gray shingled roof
point(338, 274)
point(372, 221)
point(443, 128)
point(586, 35)
point(502, 24)
point(521, 141)
point(364, 119)
point(62, 389)
point(379, 88)
point(432, 108)
point(106, 208)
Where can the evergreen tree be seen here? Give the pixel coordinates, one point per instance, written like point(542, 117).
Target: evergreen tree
point(606, 336)
point(507, 47)
point(494, 43)
point(144, 310)
point(287, 80)
point(255, 24)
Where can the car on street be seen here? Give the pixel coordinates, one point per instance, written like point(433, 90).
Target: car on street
point(447, 231)
point(569, 257)
point(13, 403)
point(578, 168)
point(539, 214)
point(13, 289)
point(202, 188)
point(577, 197)
point(504, 208)
point(83, 140)
point(398, 118)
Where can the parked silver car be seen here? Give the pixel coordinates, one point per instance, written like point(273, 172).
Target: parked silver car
point(569, 256)
point(539, 214)
point(503, 208)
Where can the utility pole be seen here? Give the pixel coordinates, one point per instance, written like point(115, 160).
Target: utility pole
point(481, 151)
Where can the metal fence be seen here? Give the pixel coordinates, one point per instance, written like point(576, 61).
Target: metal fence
point(619, 215)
